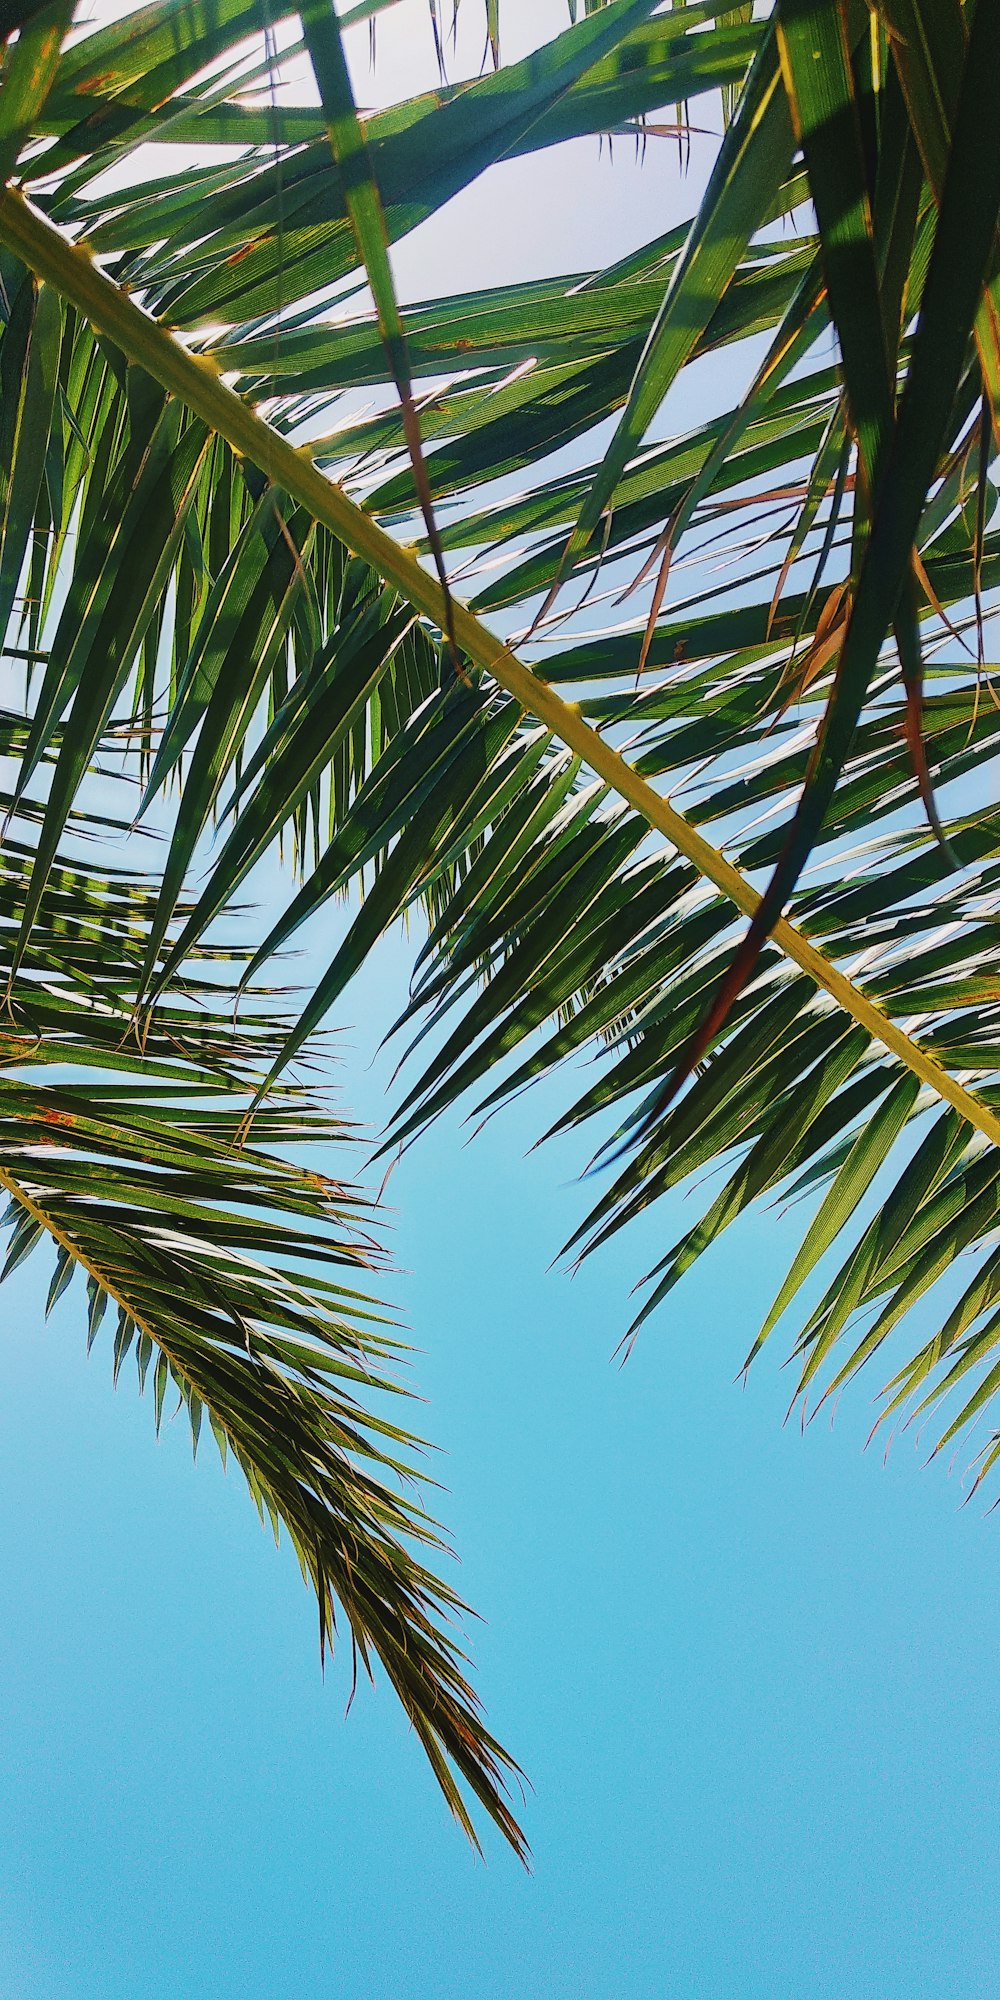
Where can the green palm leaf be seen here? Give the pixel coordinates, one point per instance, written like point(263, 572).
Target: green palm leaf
point(236, 1277)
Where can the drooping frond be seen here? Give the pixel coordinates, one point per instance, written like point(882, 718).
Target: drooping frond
point(232, 1269)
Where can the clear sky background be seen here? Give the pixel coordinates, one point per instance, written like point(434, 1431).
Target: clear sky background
point(751, 1674)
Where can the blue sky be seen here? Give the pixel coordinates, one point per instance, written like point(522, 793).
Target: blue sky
point(751, 1674)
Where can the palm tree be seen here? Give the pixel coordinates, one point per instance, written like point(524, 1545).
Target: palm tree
point(393, 647)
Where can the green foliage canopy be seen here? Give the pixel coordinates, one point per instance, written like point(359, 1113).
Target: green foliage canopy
point(362, 638)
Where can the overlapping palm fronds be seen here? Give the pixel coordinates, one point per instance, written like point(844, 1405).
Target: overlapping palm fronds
point(777, 619)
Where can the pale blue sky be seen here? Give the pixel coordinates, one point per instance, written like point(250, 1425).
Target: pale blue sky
point(752, 1675)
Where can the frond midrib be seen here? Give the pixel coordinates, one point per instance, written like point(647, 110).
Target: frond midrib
point(195, 380)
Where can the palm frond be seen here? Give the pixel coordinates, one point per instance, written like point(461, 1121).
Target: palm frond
point(232, 1268)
